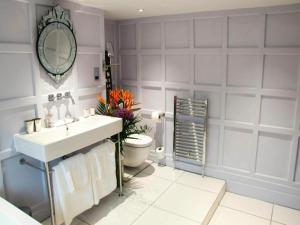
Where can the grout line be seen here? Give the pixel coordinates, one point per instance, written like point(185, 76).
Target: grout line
point(154, 201)
point(137, 173)
point(151, 204)
point(272, 214)
point(186, 185)
point(176, 214)
point(143, 169)
point(82, 220)
point(272, 217)
point(241, 211)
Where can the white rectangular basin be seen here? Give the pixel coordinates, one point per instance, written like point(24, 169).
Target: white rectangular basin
point(52, 143)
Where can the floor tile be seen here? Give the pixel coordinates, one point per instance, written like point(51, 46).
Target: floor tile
point(204, 183)
point(165, 172)
point(248, 205)
point(188, 202)
point(157, 216)
point(75, 222)
point(226, 216)
point(114, 210)
point(145, 187)
point(275, 223)
point(286, 215)
point(129, 172)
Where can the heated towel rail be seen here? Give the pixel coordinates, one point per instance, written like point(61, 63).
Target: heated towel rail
point(190, 131)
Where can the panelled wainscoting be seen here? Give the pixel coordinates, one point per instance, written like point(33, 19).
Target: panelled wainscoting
point(24, 87)
point(247, 63)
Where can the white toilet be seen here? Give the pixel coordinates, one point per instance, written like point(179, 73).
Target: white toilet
point(136, 150)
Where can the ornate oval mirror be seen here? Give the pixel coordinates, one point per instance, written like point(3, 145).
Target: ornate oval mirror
point(56, 44)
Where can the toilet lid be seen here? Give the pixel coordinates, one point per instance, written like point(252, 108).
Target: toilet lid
point(138, 141)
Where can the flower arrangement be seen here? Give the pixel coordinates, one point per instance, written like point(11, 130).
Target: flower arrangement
point(121, 105)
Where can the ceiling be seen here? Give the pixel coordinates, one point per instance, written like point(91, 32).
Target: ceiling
point(128, 9)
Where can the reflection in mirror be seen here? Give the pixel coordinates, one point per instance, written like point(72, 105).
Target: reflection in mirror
point(57, 48)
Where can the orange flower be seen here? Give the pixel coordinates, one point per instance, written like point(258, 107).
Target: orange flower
point(101, 99)
point(127, 97)
point(114, 97)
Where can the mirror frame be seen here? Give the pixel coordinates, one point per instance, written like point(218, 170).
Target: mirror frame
point(56, 19)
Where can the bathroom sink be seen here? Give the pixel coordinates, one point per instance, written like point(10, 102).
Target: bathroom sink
point(11, 215)
point(52, 143)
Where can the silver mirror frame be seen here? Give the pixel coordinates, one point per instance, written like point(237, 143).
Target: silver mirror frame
point(56, 19)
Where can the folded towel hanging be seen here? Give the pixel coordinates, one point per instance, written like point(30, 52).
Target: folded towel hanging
point(79, 173)
point(102, 168)
point(69, 181)
point(71, 204)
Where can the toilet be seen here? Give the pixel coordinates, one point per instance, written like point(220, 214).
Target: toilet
point(136, 149)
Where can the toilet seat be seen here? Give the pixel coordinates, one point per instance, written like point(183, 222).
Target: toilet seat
point(138, 141)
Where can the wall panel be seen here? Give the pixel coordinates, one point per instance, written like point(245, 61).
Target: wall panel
point(88, 29)
point(150, 35)
point(281, 72)
point(177, 34)
point(128, 36)
point(246, 63)
point(277, 111)
point(236, 156)
point(87, 63)
point(18, 12)
point(12, 76)
point(129, 67)
point(149, 98)
point(169, 137)
point(208, 32)
point(273, 150)
point(178, 68)
point(243, 70)
point(243, 31)
point(240, 108)
point(12, 122)
point(282, 30)
point(208, 69)
point(151, 68)
point(213, 144)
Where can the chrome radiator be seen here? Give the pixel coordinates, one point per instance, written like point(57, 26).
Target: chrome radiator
point(190, 131)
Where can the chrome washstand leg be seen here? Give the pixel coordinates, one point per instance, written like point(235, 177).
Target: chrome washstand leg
point(51, 201)
point(120, 167)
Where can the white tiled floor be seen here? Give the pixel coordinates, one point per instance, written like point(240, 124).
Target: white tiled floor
point(239, 210)
point(130, 172)
point(166, 196)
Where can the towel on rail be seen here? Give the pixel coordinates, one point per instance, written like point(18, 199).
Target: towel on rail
point(102, 168)
point(73, 188)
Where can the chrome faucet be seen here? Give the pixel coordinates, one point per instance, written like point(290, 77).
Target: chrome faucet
point(69, 95)
point(66, 125)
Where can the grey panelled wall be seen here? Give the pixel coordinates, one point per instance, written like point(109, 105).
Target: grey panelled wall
point(24, 87)
point(247, 63)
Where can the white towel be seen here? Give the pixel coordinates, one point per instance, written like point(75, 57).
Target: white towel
point(76, 167)
point(71, 204)
point(103, 176)
point(69, 181)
